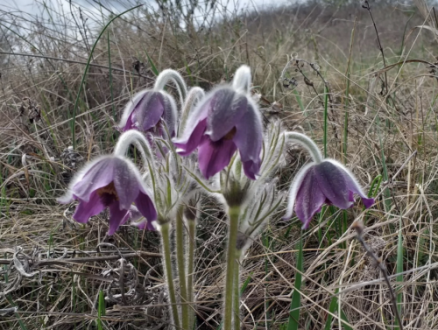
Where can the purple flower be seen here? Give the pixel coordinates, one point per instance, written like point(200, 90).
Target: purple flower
point(226, 120)
point(148, 110)
point(316, 184)
point(113, 182)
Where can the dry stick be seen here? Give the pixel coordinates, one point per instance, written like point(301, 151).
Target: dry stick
point(309, 83)
point(358, 226)
point(368, 7)
point(82, 260)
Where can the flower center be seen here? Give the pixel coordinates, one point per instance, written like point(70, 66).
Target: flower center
point(108, 194)
point(230, 134)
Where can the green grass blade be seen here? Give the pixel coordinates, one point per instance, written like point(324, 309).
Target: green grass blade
point(326, 101)
point(153, 66)
point(100, 310)
point(386, 193)
point(347, 93)
point(242, 290)
point(333, 307)
point(110, 72)
point(245, 284)
point(20, 321)
point(84, 76)
point(295, 305)
point(299, 101)
point(399, 279)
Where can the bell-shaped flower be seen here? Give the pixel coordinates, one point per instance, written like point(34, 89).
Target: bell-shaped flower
point(150, 108)
point(146, 112)
point(110, 182)
point(319, 183)
point(225, 121)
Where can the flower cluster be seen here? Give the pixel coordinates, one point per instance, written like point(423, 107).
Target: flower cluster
point(210, 144)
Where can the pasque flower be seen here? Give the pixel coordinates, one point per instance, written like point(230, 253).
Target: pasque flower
point(324, 181)
point(111, 182)
point(150, 108)
point(225, 121)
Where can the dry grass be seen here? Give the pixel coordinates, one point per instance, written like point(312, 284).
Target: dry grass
point(59, 284)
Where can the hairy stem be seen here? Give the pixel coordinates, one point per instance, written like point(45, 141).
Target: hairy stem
point(307, 143)
point(233, 215)
point(195, 95)
point(242, 79)
point(141, 143)
point(171, 75)
point(191, 263)
point(237, 292)
point(181, 268)
point(165, 236)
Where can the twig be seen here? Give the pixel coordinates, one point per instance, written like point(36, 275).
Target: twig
point(358, 226)
point(83, 260)
point(296, 62)
point(367, 6)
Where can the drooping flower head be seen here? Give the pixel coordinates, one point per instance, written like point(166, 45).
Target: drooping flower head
point(324, 181)
point(150, 108)
point(110, 182)
point(225, 121)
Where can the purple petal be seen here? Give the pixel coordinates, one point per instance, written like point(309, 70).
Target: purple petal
point(98, 176)
point(251, 168)
point(352, 185)
point(146, 207)
point(195, 127)
point(116, 217)
point(309, 198)
point(214, 156)
point(133, 216)
point(149, 110)
point(249, 140)
point(226, 109)
point(130, 122)
point(368, 202)
point(149, 225)
point(293, 191)
point(170, 114)
point(85, 210)
point(193, 141)
point(127, 121)
point(126, 183)
point(332, 183)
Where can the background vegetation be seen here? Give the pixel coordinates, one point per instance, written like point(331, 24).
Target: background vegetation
point(365, 74)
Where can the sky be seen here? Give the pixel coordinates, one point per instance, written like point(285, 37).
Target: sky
point(20, 12)
point(33, 6)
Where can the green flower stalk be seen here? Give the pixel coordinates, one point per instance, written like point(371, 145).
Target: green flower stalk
point(230, 277)
point(190, 216)
point(251, 204)
point(179, 233)
point(236, 303)
point(165, 239)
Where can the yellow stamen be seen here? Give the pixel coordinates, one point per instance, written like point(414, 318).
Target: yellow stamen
point(109, 189)
point(230, 134)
